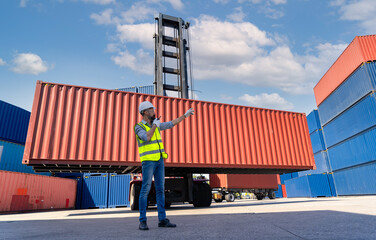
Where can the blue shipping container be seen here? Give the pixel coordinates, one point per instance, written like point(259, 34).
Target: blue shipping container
point(95, 191)
point(278, 193)
point(317, 141)
point(315, 185)
point(11, 158)
point(146, 89)
point(14, 122)
point(357, 150)
point(118, 194)
point(313, 121)
point(322, 164)
point(288, 176)
point(359, 180)
point(356, 86)
point(129, 89)
point(354, 120)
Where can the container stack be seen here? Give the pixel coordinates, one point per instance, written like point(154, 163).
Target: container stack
point(317, 182)
point(346, 103)
point(14, 122)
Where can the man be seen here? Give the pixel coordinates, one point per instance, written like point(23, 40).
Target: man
point(152, 155)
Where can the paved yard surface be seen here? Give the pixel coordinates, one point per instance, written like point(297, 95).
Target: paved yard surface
point(299, 218)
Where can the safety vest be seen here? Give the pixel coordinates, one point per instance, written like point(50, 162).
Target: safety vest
point(153, 149)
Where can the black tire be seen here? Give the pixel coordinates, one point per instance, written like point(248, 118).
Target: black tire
point(202, 196)
point(271, 195)
point(230, 197)
point(260, 196)
point(218, 200)
point(135, 196)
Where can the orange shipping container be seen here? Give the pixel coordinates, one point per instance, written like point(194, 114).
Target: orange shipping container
point(360, 50)
point(244, 181)
point(22, 191)
point(76, 128)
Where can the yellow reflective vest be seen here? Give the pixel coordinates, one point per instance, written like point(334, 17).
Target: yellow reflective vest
point(153, 149)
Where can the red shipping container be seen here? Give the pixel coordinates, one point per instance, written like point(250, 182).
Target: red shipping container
point(360, 50)
point(76, 128)
point(22, 191)
point(244, 181)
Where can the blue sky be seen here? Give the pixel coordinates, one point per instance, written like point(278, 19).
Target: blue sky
point(264, 53)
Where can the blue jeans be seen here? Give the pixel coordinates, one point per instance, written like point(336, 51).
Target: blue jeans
point(150, 168)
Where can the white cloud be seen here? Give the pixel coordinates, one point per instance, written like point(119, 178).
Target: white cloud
point(137, 33)
point(23, 3)
point(239, 53)
point(279, 1)
point(264, 100)
point(238, 15)
point(101, 2)
point(361, 11)
point(104, 17)
point(2, 62)
point(137, 12)
point(29, 63)
point(176, 4)
point(141, 62)
point(221, 1)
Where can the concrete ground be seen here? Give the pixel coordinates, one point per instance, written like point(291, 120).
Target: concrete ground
point(299, 218)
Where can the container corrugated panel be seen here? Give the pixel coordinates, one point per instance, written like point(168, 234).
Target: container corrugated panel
point(278, 193)
point(317, 141)
point(146, 89)
point(357, 150)
point(14, 122)
point(361, 49)
point(319, 185)
point(95, 191)
point(244, 181)
point(315, 185)
point(11, 158)
point(353, 121)
point(118, 194)
point(313, 121)
point(359, 180)
point(77, 177)
point(128, 89)
point(321, 161)
point(22, 191)
point(358, 85)
point(87, 126)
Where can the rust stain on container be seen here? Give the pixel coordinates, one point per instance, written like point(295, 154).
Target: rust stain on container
point(360, 50)
point(76, 128)
point(22, 191)
point(244, 181)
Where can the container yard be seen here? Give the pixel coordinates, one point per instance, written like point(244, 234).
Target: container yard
point(172, 140)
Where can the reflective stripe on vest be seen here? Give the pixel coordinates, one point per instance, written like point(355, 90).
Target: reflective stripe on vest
point(153, 149)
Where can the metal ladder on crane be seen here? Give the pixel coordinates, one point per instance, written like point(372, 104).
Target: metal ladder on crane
point(171, 46)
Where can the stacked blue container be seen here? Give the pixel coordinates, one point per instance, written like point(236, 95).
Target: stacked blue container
point(318, 145)
point(14, 122)
point(143, 89)
point(100, 190)
point(349, 124)
point(317, 182)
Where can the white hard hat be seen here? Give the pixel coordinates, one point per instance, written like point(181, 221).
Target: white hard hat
point(145, 105)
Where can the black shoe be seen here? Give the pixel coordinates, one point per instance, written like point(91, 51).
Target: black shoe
point(143, 226)
point(166, 223)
